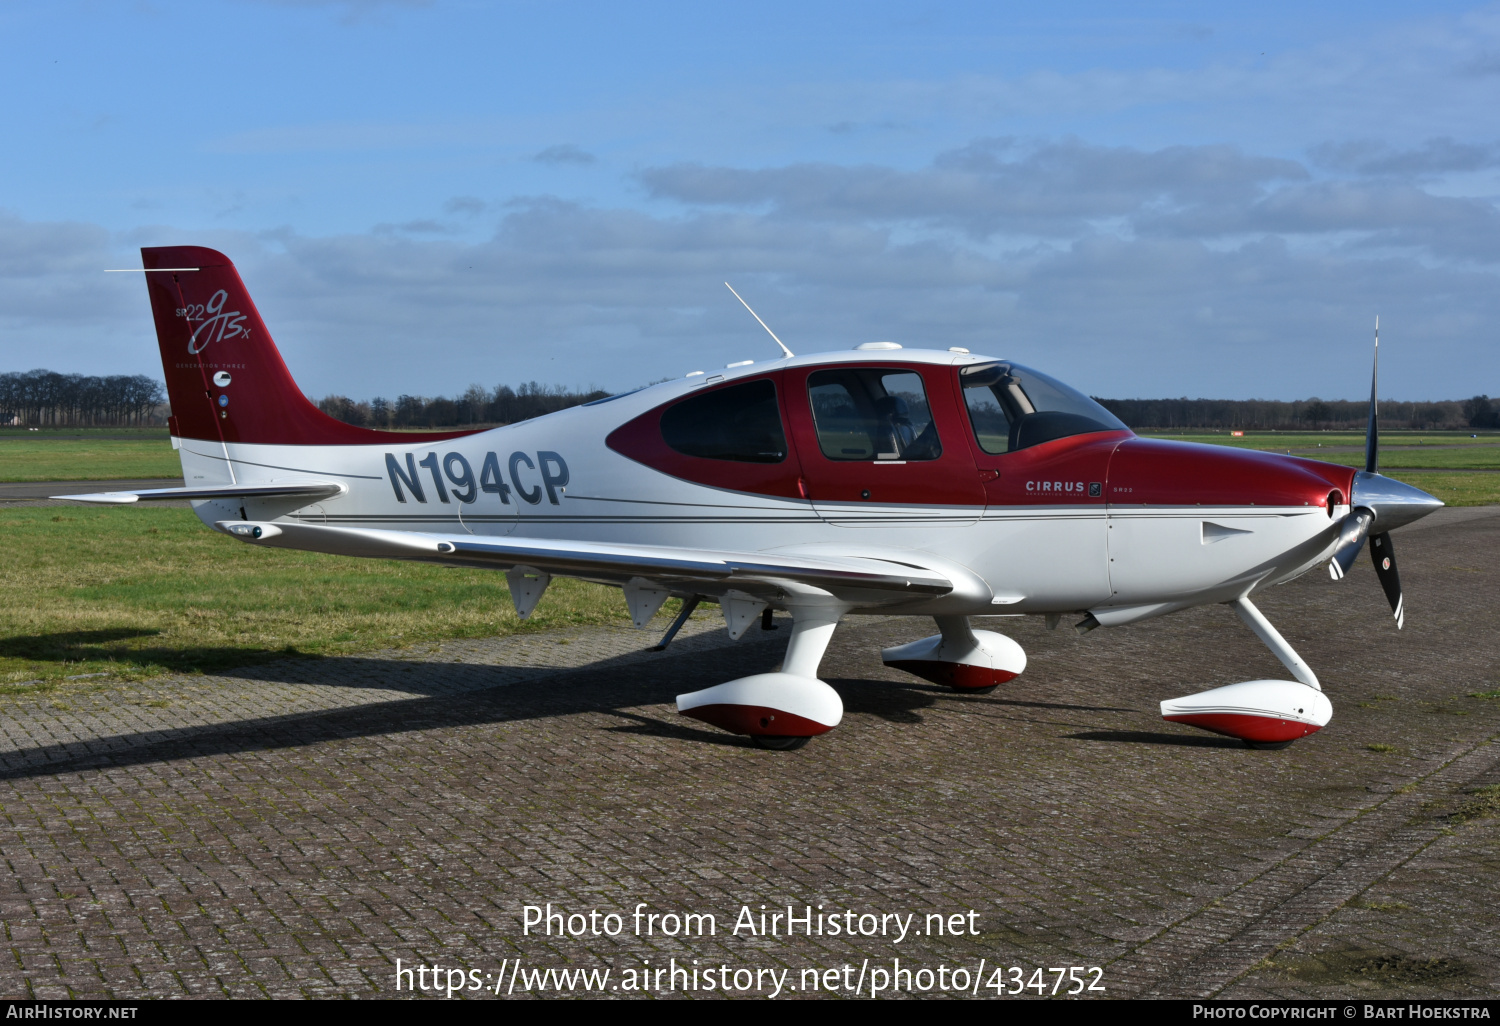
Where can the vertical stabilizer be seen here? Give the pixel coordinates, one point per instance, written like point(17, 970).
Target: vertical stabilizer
point(225, 378)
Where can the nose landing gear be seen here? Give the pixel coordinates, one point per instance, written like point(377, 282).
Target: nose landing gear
point(1265, 714)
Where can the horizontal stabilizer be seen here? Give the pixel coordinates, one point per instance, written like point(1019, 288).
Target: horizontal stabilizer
point(600, 560)
point(310, 489)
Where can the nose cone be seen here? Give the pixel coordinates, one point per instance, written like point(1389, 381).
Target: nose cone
point(1394, 502)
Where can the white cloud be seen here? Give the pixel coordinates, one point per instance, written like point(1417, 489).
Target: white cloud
point(992, 185)
point(1219, 273)
point(563, 153)
point(1435, 156)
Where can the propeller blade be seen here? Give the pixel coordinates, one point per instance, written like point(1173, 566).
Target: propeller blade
point(1351, 538)
point(1372, 432)
point(1384, 556)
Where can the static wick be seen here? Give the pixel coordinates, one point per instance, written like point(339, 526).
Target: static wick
point(762, 323)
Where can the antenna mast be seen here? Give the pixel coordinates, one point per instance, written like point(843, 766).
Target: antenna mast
point(762, 323)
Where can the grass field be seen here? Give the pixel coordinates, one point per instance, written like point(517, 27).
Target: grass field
point(86, 454)
point(143, 591)
point(148, 591)
point(1479, 457)
point(76, 456)
point(1456, 489)
point(70, 455)
point(1297, 441)
point(159, 433)
point(1451, 451)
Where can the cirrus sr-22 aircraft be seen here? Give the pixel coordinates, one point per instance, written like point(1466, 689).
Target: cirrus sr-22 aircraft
point(881, 480)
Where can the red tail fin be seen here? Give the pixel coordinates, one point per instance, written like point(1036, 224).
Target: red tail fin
point(225, 379)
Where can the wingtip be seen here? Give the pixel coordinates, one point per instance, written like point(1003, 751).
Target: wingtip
point(101, 498)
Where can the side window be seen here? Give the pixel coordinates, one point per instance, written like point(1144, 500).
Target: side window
point(872, 414)
point(741, 422)
point(991, 425)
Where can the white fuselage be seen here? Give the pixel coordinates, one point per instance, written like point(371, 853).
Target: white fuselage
point(553, 478)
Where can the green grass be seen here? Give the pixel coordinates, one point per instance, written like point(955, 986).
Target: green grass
point(1482, 802)
point(1447, 452)
point(160, 433)
point(61, 456)
point(1456, 489)
point(1482, 457)
point(140, 592)
point(98, 454)
point(1280, 441)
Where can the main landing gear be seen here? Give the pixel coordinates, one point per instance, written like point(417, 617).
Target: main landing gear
point(1264, 714)
point(960, 657)
point(781, 711)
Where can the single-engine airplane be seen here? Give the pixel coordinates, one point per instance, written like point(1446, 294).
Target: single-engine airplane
point(881, 480)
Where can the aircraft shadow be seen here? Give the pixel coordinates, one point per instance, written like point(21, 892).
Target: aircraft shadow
point(483, 695)
point(650, 726)
point(106, 645)
point(1146, 737)
point(900, 699)
point(72, 646)
point(1060, 705)
point(600, 687)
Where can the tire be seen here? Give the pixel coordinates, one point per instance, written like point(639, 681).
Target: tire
point(973, 691)
point(778, 742)
point(1269, 746)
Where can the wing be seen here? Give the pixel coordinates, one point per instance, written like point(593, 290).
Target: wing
point(309, 489)
point(685, 570)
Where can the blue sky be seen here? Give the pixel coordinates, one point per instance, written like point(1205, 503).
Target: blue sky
point(1153, 200)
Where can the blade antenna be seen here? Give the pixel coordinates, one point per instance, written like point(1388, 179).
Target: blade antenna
point(1372, 433)
point(762, 323)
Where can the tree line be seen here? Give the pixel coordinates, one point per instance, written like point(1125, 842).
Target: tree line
point(48, 399)
point(474, 408)
point(504, 405)
point(1302, 415)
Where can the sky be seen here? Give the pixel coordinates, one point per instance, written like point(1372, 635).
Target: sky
point(1146, 200)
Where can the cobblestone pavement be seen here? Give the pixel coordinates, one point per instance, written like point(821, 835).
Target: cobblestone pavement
point(296, 828)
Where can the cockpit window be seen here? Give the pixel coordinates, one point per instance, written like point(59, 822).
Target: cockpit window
point(741, 422)
point(872, 414)
point(1013, 407)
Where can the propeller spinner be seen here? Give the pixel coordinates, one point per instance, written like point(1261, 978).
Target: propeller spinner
point(1380, 502)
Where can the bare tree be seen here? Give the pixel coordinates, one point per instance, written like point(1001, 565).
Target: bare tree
point(47, 398)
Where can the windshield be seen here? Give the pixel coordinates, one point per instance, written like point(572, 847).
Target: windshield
point(1013, 407)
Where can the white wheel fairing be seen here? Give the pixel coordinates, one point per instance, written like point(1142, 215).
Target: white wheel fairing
point(805, 698)
point(1254, 710)
point(989, 650)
